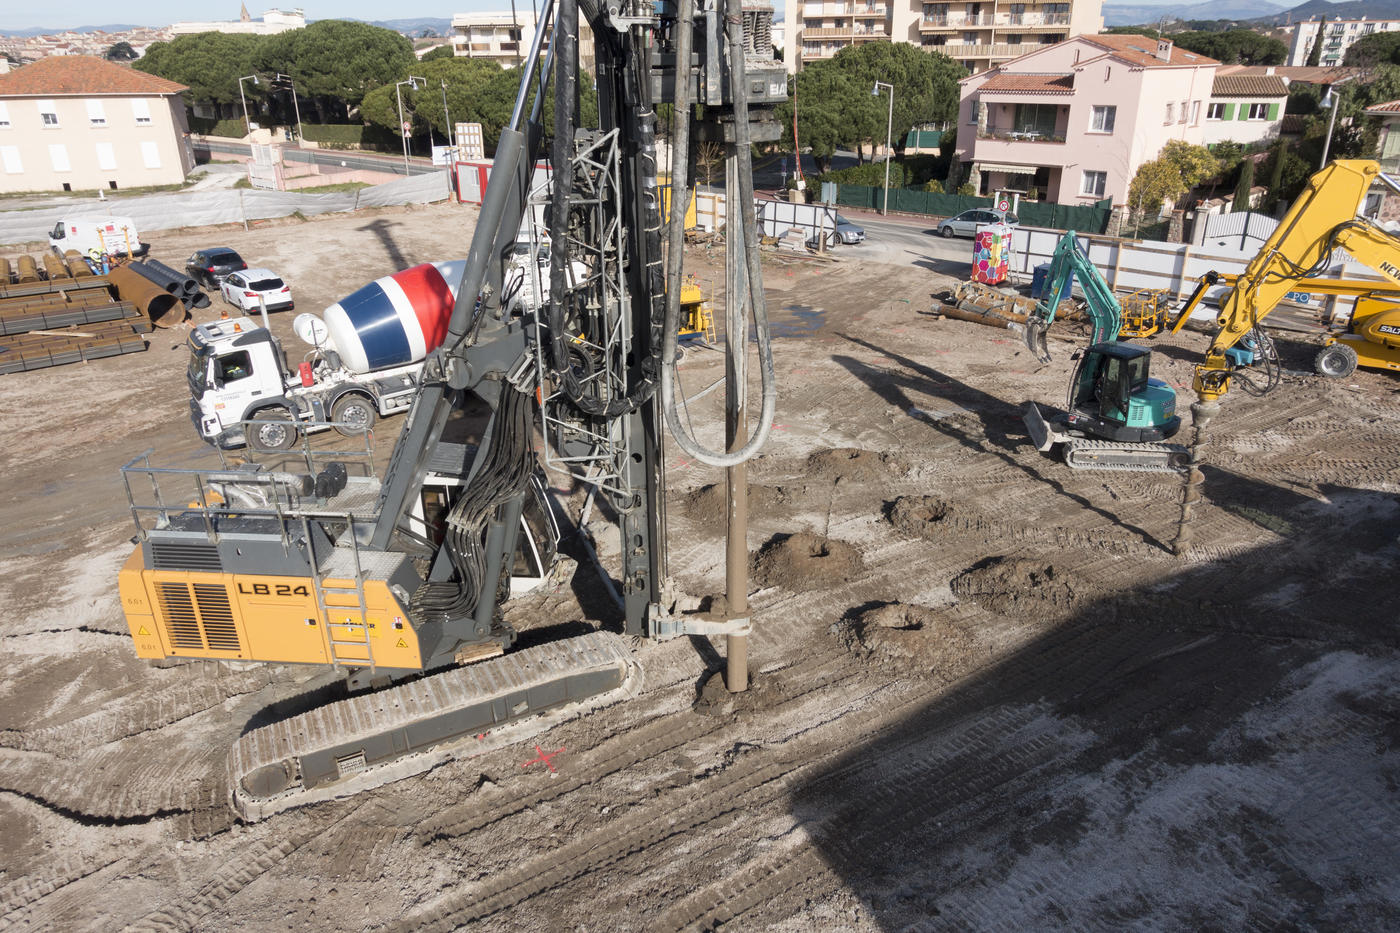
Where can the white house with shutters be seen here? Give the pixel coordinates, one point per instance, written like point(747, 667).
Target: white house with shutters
point(1245, 108)
point(75, 122)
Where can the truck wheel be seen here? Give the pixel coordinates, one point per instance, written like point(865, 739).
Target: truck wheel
point(1336, 362)
point(353, 415)
point(272, 429)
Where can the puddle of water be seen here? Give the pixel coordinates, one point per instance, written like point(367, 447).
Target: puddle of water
point(797, 321)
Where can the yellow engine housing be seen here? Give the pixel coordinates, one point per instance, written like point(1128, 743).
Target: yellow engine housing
point(255, 617)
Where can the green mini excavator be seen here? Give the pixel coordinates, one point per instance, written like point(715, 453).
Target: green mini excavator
point(1116, 415)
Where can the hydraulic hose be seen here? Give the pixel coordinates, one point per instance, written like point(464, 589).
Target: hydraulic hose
point(743, 205)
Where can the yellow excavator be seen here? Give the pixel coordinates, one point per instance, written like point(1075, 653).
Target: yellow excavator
point(1323, 220)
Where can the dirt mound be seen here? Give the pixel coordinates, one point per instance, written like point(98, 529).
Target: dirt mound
point(918, 515)
point(909, 638)
point(710, 504)
point(1013, 585)
point(840, 464)
point(716, 700)
point(805, 561)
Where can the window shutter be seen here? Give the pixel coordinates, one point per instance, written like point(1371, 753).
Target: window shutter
point(140, 110)
point(9, 156)
point(96, 115)
point(58, 155)
point(106, 157)
point(1229, 113)
point(1244, 111)
point(1273, 111)
point(4, 115)
point(150, 154)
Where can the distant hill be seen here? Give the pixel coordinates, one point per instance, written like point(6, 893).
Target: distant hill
point(1352, 9)
point(412, 26)
point(55, 30)
point(1132, 14)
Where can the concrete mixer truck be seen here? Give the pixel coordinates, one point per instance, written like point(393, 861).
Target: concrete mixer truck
point(365, 359)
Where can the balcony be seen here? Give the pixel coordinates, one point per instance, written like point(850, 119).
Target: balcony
point(1032, 20)
point(871, 35)
point(878, 12)
point(955, 21)
point(999, 50)
point(829, 32)
point(1006, 134)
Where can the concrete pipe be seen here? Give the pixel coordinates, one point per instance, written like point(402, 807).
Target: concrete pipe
point(163, 308)
point(28, 269)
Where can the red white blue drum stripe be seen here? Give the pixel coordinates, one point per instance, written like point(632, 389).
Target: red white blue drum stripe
point(397, 319)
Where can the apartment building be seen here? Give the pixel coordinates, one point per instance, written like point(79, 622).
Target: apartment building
point(980, 35)
point(74, 122)
point(505, 37)
point(1338, 35)
point(1073, 122)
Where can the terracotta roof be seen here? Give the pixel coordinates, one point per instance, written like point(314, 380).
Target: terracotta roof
point(81, 76)
point(1236, 85)
point(1301, 73)
point(1035, 84)
point(1142, 50)
point(1392, 106)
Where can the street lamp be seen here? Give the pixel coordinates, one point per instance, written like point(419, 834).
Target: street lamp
point(247, 127)
point(403, 127)
point(1334, 98)
point(295, 106)
point(889, 128)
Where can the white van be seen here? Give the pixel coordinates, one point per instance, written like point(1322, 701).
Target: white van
point(115, 236)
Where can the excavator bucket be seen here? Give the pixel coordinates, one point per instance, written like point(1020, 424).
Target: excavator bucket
point(1036, 331)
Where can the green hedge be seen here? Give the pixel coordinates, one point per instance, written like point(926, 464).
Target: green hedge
point(350, 136)
point(208, 126)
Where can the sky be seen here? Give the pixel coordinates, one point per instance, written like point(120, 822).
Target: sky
point(16, 14)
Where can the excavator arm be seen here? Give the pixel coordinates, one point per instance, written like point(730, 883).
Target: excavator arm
point(1322, 220)
point(1067, 263)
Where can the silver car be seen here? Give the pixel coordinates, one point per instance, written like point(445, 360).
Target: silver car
point(966, 223)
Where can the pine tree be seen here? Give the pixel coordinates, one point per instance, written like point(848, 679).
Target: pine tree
point(1242, 187)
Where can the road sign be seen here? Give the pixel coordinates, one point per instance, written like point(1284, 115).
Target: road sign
point(1003, 204)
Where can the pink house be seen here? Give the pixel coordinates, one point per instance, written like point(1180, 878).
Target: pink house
point(1072, 122)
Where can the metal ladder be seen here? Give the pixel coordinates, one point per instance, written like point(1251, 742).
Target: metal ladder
point(335, 646)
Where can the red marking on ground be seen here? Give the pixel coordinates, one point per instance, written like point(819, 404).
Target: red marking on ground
point(543, 757)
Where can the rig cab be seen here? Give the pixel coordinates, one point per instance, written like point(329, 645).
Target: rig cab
point(1113, 396)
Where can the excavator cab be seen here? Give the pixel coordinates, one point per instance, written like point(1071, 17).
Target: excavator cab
point(1113, 396)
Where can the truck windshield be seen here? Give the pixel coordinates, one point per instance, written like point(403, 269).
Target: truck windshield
point(197, 373)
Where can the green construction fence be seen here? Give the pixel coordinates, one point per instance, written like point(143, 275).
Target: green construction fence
point(1031, 213)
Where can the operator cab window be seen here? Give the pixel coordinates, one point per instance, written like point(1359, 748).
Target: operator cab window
point(234, 366)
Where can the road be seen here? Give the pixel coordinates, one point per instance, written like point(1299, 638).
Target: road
point(360, 160)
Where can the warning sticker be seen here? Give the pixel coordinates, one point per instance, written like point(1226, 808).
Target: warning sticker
point(142, 631)
point(401, 644)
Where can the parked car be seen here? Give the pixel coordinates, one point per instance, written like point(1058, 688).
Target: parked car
point(849, 232)
point(966, 223)
point(209, 266)
point(247, 289)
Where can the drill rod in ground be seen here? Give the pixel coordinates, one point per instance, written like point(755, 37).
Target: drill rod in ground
point(1201, 415)
point(736, 552)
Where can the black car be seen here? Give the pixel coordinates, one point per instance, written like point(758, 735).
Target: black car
point(211, 266)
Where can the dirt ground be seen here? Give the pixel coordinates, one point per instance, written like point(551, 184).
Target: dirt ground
point(986, 696)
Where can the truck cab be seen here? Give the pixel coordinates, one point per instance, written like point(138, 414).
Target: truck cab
point(236, 369)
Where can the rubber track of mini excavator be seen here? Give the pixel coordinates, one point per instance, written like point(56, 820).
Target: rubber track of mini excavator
point(1084, 454)
point(373, 739)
